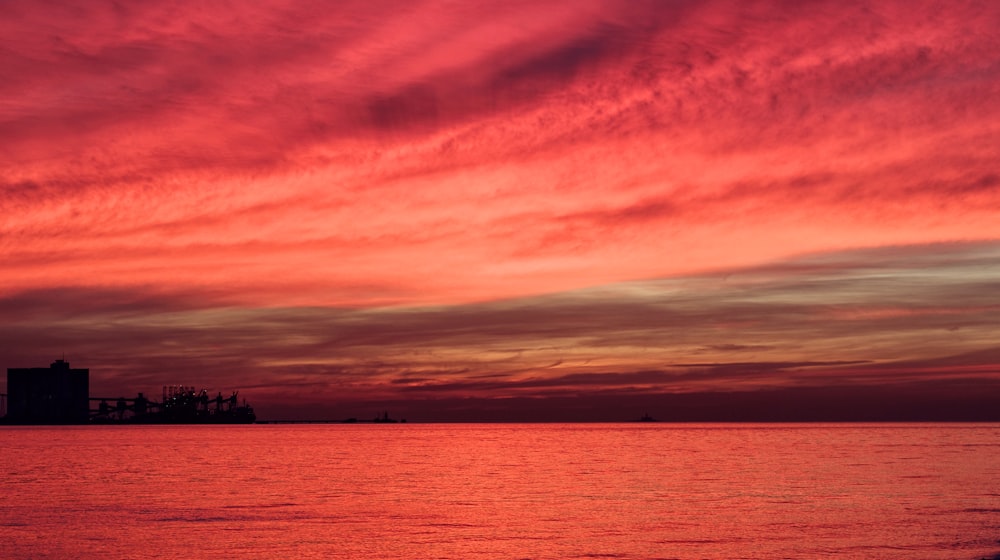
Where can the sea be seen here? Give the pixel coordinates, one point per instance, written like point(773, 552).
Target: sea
point(497, 491)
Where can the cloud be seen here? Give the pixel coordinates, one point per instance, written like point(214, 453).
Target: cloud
point(860, 318)
point(609, 187)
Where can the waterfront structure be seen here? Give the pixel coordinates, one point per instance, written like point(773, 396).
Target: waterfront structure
point(180, 405)
point(61, 395)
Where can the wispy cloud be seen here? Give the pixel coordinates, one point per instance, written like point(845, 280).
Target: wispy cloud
point(299, 154)
point(395, 198)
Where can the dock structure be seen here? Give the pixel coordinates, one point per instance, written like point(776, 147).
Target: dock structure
point(180, 405)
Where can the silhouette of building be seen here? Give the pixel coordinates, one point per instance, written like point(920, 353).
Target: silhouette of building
point(53, 395)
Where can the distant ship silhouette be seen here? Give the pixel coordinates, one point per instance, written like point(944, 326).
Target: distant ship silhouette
point(384, 419)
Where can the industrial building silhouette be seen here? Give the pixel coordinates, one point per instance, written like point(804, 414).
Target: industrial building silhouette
point(61, 395)
point(57, 394)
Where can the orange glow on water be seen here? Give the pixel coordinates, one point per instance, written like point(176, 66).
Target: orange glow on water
point(488, 491)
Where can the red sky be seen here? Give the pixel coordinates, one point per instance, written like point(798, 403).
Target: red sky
point(472, 208)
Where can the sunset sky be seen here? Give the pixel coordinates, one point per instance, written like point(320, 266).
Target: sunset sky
point(507, 210)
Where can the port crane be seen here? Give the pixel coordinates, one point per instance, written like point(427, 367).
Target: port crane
point(179, 404)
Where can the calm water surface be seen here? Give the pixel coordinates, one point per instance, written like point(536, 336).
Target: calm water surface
point(501, 491)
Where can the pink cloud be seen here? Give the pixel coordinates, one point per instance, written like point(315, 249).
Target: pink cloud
point(369, 155)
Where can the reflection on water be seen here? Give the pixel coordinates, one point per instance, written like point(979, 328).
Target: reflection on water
point(502, 491)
